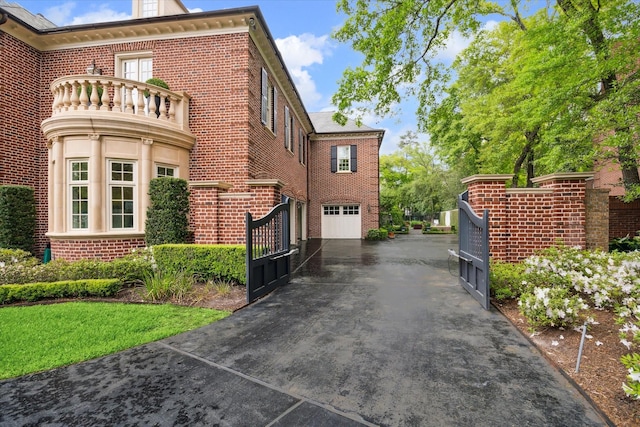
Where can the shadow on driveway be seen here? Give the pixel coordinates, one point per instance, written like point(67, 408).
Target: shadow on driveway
point(366, 333)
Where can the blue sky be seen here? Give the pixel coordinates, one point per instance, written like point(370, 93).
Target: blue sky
point(302, 31)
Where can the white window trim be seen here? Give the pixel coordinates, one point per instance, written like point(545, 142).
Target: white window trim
point(348, 158)
point(76, 183)
point(287, 128)
point(111, 183)
point(176, 170)
point(264, 97)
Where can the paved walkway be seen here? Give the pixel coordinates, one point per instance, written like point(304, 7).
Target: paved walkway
point(366, 334)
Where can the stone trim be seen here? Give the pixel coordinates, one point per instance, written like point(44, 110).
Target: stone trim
point(564, 176)
point(212, 184)
point(265, 183)
point(487, 177)
point(94, 236)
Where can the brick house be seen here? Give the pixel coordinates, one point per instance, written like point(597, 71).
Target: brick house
point(78, 128)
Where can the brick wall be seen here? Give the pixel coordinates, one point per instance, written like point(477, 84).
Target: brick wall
point(522, 221)
point(104, 249)
point(360, 187)
point(624, 218)
point(23, 155)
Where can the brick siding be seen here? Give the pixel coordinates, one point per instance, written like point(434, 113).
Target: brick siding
point(94, 248)
point(624, 218)
point(523, 221)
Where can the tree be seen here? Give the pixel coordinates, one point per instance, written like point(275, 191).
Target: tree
point(412, 178)
point(592, 48)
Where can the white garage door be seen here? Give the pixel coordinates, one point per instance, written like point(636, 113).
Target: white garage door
point(341, 222)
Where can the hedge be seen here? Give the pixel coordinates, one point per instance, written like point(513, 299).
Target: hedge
point(128, 270)
point(167, 216)
point(66, 289)
point(207, 261)
point(17, 217)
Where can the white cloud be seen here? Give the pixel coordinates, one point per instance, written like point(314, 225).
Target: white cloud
point(195, 10)
point(60, 14)
point(456, 43)
point(65, 14)
point(299, 54)
point(103, 14)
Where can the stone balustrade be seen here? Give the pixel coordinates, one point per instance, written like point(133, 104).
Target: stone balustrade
point(113, 95)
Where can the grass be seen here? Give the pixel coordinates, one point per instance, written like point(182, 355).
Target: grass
point(42, 337)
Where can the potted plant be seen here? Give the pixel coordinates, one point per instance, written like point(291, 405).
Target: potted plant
point(156, 82)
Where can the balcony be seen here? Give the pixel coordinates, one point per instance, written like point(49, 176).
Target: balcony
point(104, 105)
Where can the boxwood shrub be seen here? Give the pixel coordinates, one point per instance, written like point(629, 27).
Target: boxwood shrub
point(65, 289)
point(167, 216)
point(128, 270)
point(17, 217)
point(207, 261)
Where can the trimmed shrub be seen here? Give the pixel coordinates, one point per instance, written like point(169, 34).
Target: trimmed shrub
point(128, 270)
point(15, 256)
point(17, 217)
point(167, 216)
point(506, 280)
point(66, 289)
point(206, 261)
point(625, 244)
point(377, 234)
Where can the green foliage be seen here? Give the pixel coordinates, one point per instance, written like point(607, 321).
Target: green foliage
point(163, 286)
point(377, 234)
point(75, 288)
point(17, 217)
point(156, 82)
point(221, 286)
point(15, 256)
point(632, 387)
point(130, 269)
point(528, 90)
point(205, 261)
point(506, 280)
point(625, 244)
point(167, 216)
point(42, 337)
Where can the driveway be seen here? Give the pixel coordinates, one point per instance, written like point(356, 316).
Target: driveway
point(365, 334)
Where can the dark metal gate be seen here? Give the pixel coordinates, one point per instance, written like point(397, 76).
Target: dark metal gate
point(474, 250)
point(268, 254)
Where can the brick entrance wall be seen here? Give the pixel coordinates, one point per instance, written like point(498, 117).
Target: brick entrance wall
point(624, 218)
point(525, 220)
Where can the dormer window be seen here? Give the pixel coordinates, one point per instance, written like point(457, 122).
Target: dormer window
point(149, 8)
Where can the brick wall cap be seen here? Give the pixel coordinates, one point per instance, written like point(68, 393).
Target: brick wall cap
point(95, 236)
point(529, 191)
point(488, 177)
point(265, 183)
point(564, 176)
point(211, 184)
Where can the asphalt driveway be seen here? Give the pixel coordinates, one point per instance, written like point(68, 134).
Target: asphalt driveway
point(365, 334)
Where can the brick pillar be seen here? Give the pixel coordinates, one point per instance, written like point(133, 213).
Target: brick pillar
point(489, 192)
point(597, 221)
point(267, 194)
point(569, 209)
point(204, 206)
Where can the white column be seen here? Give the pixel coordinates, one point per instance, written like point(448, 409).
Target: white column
point(146, 173)
point(57, 202)
point(97, 203)
point(50, 186)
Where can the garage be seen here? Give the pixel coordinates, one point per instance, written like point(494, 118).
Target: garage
point(341, 222)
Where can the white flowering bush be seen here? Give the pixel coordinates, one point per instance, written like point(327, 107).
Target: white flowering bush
point(562, 282)
point(552, 307)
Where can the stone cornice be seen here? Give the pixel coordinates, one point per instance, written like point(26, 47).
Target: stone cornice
point(265, 183)
point(564, 176)
point(487, 177)
point(211, 184)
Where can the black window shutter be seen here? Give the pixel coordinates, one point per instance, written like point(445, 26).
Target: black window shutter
point(354, 158)
point(334, 158)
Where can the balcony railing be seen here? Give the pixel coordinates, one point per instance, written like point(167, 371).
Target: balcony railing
point(120, 96)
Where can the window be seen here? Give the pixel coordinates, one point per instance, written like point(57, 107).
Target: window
point(122, 194)
point(351, 210)
point(331, 210)
point(287, 129)
point(274, 109)
point(302, 152)
point(264, 95)
point(138, 68)
point(344, 158)
point(79, 192)
point(163, 171)
point(149, 8)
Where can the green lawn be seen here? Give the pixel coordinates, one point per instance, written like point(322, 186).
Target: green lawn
point(42, 337)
